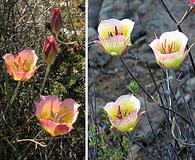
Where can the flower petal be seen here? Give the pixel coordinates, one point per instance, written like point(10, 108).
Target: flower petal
point(48, 107)
point(62, 129)
point(126, 124)
point(126, 27)
point(20, 76)
point(68, 112)
point(108, 26)
point(28, 57)
point(112, 109)
point(115, 45)
point(128, 103)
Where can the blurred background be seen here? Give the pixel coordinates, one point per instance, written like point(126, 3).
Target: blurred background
point(108, 79)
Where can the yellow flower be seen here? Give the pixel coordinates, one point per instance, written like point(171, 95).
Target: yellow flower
point(114, 36)
point(170, 49)
point(55, 116)
point(21, 66)
point(123, 113)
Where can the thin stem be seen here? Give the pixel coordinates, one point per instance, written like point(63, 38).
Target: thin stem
point(73, 27)
point(13, 96)
point(168, 93)
point(50, 141)
point(15, 93)
point(148, 94)
point(186, 15)
point(32, 140)
point(45, 78)
point(180, 29)
point(63, 42)
point(130, 137)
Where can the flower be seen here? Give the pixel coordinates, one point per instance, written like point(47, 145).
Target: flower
point(170, 49)
point(50, 50)
point(192, 2)
point(123, 113)
point(114, 36)
point(55, 116)
point(56, 20)
point(22, 65)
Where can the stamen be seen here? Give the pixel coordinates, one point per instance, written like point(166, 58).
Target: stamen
point(163, 48)
point(120, 116)
point(116, 31)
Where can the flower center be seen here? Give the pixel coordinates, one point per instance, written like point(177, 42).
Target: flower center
point(20, 66)
point(114, 33)
point(121, 114)
point(168, 47)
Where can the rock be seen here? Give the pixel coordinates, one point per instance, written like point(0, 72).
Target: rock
point(92, 34)
point(118, 9)
point(143, 131)
point(93, 12)
point(190, 85)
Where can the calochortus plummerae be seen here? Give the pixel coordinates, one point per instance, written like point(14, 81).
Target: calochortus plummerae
point(55, 116)
point(114, 36)
point(170, 49)
point(124, 113)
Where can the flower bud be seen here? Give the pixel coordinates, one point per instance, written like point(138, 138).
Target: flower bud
point(50, 50)
point(56, 20)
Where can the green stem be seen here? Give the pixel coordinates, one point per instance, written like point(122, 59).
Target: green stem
point(15, 93)
point(50, 141)
point(45, 78)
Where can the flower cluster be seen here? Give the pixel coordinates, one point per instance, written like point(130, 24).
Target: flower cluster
point(55, 117)
point(114, 38)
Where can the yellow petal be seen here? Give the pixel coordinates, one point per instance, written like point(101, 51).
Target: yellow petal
point(126, 27)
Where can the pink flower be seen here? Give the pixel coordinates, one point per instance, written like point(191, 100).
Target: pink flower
point(50, 50)
point(114, 36)
point(55, 116)
point(123, 113)
point(56, 20)
point(170, 49)
point(192, 1)
point(22, 65)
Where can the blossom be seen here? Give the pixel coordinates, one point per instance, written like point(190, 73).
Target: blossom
point(192, 1)
point(123, 113)
point(56, 20)
point(55, 116)
point(170, 49)
point(114, 36)
point(21, 66)
point(50, 50)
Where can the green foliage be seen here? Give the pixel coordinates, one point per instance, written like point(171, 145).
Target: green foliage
point(133, 87)
point(25, 24)
point(111, 145)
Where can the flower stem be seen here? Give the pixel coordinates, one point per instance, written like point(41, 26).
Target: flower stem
point(50, 141)
point(45, 78)
point(132, 140)
point(168, 93)
point(15, 93)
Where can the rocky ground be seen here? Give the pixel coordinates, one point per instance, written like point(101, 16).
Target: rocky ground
point(107, 73)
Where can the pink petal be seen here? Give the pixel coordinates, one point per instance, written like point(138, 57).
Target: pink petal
point(20, 76)
point(29, 57)
point(47, 107)
point(69, 111)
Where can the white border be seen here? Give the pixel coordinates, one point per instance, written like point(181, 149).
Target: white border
point(86, 80)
